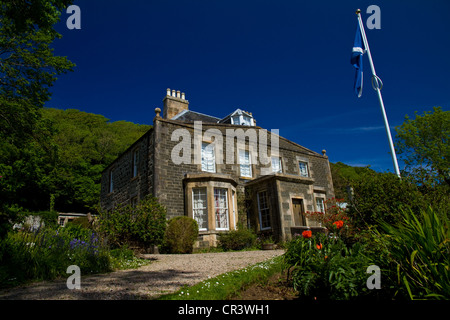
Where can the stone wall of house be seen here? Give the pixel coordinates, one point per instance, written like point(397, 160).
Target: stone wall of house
point(160, 176)
point(169, 176)
point(127, 188)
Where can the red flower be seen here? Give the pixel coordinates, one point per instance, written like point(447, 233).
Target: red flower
point(319, 246)
point(307, 234)
point(339, 224)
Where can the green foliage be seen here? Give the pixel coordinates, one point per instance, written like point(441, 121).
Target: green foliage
point(143, 225)
point(124, 258)
point(49, 218)
point(237, 239)
point(424, 146)
point(323, 268)
point(181, 234)
point(45, 255)
point(380, 196)
point(23, 15)
point(82, 222)
point(29, 67)
point(85, 144)
point(343, 175)
point(420, 247)
point(27, 71)
point(65, 172)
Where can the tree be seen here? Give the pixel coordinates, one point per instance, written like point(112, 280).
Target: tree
point(28, 68)
point(381, 196)
point(423, 144)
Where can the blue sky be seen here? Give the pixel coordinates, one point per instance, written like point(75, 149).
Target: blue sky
point(288, 62)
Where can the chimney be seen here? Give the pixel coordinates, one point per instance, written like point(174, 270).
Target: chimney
point(174, 103)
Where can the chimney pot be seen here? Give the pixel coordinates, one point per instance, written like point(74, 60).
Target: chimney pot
point(173, 93)
point(178, 94)
point(183, 96)
point(168, 91)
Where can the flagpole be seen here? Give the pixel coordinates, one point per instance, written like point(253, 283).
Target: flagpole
point(376, 85)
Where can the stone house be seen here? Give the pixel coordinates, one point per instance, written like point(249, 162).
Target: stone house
point(223, 172)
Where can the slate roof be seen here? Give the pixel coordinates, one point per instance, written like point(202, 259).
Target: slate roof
point(191, 116)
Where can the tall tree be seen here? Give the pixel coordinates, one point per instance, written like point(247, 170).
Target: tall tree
point(28, 68)
point(423, 144)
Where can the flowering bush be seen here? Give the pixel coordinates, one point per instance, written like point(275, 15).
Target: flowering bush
point(323, 267)
point(334, 217)
point(47, 254)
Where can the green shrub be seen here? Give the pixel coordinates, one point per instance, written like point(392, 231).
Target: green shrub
point(124, 258)
point(81, 221)
point(181, 234)
point(420, 248)
point(323, 268)
point(46, 254)
point(143, 225)
point(380, 196)
point(237, 239)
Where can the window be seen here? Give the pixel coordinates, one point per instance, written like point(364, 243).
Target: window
point(241, 120)
point(221, 208)
point(320, 205)
point(263, 209)
point(303, 169)
point(199, 207)
point(134, 202)
point(135, 162)
point(111, 181)
point(276, 165)
point(208, 157)
point(245, 164)
point(246, 121)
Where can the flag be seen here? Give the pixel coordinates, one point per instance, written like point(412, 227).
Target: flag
point(357, 60)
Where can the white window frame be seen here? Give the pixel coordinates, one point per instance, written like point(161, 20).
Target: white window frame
point(304, 172)
point(263, 210)
point(204, 208)
point(320, 204)
point(245, 162)
point(135, 162)
point(217, 192)
point(246, 121)
point(111, 181)
point(208, 157)
point(235, 120)
point(280, 165)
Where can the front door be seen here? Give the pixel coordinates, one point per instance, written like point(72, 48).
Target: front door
point(299, 214)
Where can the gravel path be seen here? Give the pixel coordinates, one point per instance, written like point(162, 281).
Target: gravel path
point(165, 274)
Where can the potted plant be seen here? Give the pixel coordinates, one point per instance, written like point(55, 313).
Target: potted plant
point(268, 244)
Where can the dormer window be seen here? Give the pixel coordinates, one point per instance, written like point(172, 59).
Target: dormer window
point(239, 117)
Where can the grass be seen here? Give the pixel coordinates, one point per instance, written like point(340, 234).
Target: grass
point(228, 284)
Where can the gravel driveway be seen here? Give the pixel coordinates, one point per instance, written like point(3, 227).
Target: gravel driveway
point(165, 274)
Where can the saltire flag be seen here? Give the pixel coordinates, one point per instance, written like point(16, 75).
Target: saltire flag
point(357, 60)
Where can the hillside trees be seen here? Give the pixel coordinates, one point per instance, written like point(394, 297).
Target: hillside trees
point(85, 144)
